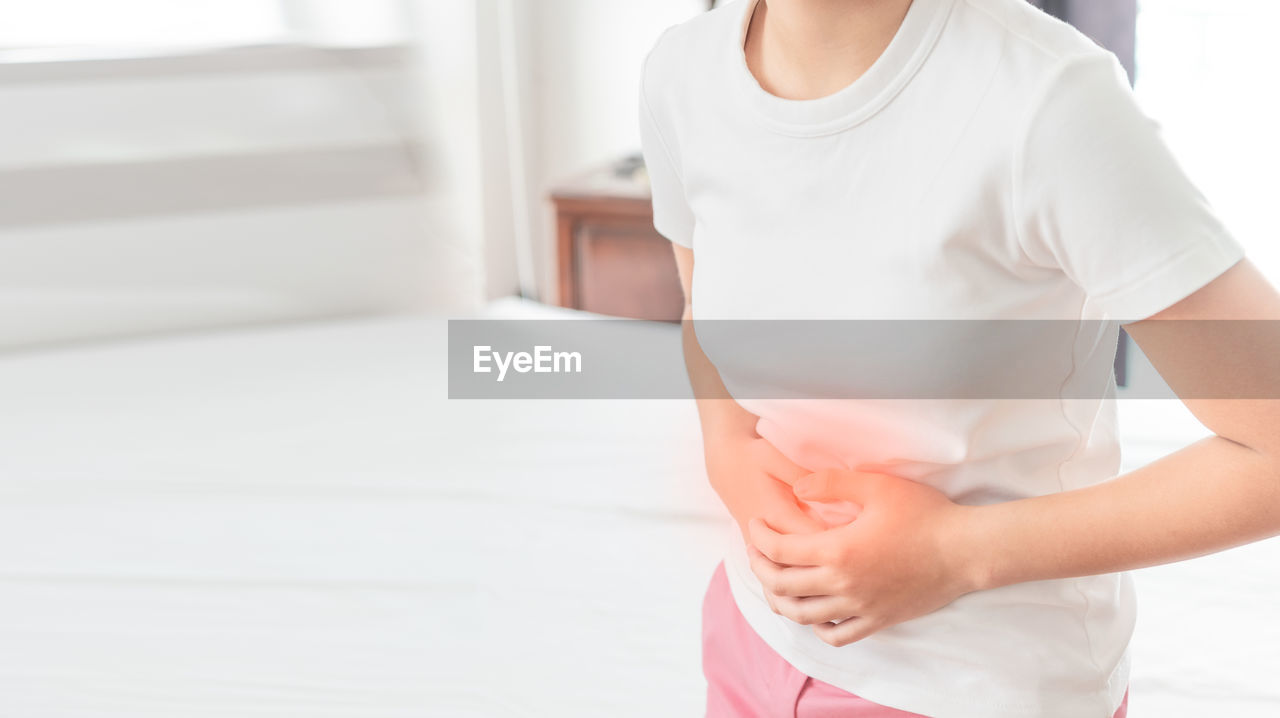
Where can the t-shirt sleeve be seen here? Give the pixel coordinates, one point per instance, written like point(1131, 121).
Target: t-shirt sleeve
point(671, 214)
point(1098, 194)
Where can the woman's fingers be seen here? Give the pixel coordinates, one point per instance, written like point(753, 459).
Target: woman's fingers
point(837, 484)
point(795, 549)
point(813, 610)
point(845, 632)
point(789, 581)
point(790, 517)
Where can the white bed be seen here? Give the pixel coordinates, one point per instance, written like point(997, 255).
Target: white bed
point(296, 521)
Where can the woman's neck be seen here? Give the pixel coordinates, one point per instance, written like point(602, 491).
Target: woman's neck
point(806, 49)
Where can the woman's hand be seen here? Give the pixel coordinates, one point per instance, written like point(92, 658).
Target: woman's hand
point(753, 480)
point(900, 559)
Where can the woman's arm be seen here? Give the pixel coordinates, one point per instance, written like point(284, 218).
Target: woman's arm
point(1221, 492)
point(752, 478)
point(912, 551)
point(719, 413)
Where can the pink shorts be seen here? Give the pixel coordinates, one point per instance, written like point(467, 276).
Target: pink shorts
point(747, 679)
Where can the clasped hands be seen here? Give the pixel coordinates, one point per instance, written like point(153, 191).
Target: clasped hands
point(903, 556)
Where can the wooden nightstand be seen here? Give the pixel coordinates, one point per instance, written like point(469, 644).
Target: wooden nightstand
point(611, 260)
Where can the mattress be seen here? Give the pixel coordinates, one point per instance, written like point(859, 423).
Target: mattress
point(296, 521)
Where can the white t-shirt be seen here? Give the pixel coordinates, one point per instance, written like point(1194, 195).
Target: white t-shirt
point(992, 164)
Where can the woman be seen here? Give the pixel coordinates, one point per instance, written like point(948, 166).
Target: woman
point(944, 159)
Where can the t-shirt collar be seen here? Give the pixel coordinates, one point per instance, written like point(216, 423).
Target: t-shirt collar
point(852, 105)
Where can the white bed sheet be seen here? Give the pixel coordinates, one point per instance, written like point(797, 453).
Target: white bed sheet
point(295, 521)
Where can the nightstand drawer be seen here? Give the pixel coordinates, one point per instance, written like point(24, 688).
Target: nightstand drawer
point(625, 269)
point(611, 259)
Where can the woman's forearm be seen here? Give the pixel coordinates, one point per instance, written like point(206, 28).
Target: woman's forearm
point(721, 417)
point(752, 478)
point(1210, 496)
point(719, 414)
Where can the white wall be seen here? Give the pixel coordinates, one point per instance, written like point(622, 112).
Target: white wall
point(1206, 72)
point(579, 73)
point(586, 81)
